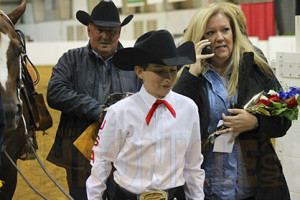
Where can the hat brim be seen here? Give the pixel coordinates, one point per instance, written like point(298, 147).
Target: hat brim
point(127, 58)
point(85, 19)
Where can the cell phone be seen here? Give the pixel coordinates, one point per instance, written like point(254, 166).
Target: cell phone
point(206, 49)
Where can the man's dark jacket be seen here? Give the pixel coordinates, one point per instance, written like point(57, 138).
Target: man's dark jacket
point(264, 168)
point(79, 86)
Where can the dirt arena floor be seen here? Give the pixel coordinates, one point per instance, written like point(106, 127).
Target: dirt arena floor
point(31, 168)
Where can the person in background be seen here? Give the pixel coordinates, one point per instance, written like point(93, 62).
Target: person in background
point(152, 137)
point(80, 83)
point(231, 75)
point(241, 19)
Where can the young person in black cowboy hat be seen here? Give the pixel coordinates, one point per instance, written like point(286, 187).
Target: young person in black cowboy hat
point(80, 82)
point(152, 137)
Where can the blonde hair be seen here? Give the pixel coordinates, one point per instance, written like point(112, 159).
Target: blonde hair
point(241, 43)
point(239, 15)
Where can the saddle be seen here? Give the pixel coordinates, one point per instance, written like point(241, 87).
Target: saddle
point(40, 118)
point(86, 140)
point(38, 110)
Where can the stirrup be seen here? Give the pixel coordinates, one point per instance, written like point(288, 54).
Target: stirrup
point(27, 153)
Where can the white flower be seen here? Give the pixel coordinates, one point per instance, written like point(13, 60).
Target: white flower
point(263, 97)
point(272, 92)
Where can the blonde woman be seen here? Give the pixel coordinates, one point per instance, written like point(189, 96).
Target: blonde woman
point(231, 75)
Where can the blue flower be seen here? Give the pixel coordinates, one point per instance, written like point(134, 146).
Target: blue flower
point(298, 91)
point(293, 91)
point(282, 95)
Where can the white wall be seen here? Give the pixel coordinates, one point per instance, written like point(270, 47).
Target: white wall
point(48, 53)
point(287, 67)
point(275, 44)
point(53, 31)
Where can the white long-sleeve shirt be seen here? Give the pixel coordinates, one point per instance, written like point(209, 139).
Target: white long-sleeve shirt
point(162, 155)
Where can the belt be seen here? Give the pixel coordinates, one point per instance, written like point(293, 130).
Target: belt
point(176, 193)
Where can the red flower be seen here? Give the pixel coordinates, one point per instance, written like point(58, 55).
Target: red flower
point(275, 98)
point(265, 102)
point(268, 102)
point(291, 103)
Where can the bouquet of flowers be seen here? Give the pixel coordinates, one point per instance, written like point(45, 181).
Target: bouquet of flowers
point(282, 103)
point(273, 103)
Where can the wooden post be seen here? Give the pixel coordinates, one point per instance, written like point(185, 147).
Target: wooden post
point(297, 31)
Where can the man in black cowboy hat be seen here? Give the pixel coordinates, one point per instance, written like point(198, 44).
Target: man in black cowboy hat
point(152, 137)
point(80, 83)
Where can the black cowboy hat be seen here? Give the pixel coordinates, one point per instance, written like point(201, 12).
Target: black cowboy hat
point(104, 14)
point(156, 47)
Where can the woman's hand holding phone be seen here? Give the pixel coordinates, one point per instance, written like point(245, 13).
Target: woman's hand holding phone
point(207, 48)
point(196, 68)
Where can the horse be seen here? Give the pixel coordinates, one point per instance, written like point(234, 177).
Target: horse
point(10, 55)
point(13, 78)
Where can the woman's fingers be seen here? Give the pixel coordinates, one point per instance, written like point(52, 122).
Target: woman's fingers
point(196, 68)
point(200, 45)
point(241, 122)
point(229, 130)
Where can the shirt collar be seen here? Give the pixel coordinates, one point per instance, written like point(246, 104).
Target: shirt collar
point(149, 99)
point(212, 74)
point(99, 56)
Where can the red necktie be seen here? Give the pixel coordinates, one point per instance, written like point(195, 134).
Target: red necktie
point(155, 105)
